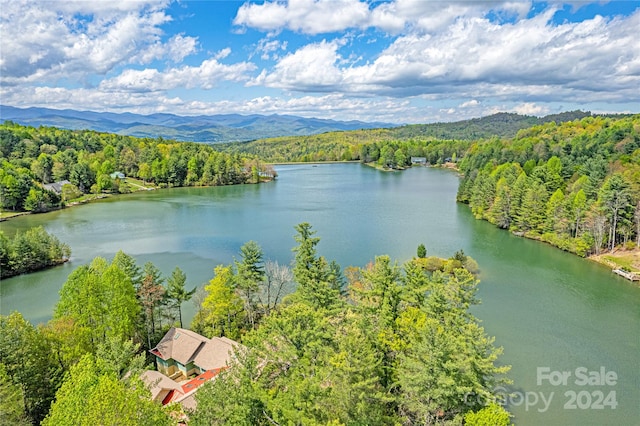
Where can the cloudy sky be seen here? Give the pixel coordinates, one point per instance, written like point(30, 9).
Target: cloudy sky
point(400, 61)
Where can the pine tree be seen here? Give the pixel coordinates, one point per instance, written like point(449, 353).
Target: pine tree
point(176, 294)
point(249, 277)
point(311, 272)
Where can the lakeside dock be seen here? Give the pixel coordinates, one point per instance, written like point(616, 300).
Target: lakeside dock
point(631, 276)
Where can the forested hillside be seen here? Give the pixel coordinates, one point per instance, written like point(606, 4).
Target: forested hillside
point(343, 146)
point(575, 185)
point(31, 157)
point(382, 344)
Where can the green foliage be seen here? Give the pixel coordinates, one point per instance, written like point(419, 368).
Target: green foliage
point(222, 308)
point(491, 415)
point(402, 349)
point(11, 401)
point(31, 157)
point(101, 300)
point(30, 251)
point(91, 395)
point(393, 147)
point(176, 294)
point(312, 273)
point(422, 251)
point(556, 181)
point(27, 359)
point(250, 274)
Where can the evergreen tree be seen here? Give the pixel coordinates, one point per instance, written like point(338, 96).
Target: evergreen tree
point(249, 277)
point(422, 251)
point(176, 294)
point(616, 198)
point(311, 272)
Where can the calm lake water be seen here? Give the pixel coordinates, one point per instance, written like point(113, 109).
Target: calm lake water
point(547, 308)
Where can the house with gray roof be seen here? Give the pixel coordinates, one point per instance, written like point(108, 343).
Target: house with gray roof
point(56, 186)
point(182, 353)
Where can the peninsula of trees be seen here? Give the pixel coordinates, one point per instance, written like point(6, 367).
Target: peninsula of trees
point(30, 251)
point(92, 162)
point(383, 344)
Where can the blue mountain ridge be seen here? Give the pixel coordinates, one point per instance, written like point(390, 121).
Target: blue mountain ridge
point(201, 128)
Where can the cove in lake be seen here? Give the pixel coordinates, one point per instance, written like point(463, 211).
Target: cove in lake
point(547, 308)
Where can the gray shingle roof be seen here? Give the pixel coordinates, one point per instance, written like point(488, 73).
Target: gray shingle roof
point(186, 346)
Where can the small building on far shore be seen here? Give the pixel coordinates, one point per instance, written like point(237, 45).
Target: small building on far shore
point(419, 160)
point(56, 186)
point(117, 175)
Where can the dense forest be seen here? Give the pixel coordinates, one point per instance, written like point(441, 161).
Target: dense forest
point(414, 140)
point(30, 251)
point(575, 185)
point(31, 157)
point(383, 344)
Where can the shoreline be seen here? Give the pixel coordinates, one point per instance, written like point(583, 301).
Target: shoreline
point(93, 197)
point(620, 259)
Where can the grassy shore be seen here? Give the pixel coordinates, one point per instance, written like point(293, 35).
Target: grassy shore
point(620, 258)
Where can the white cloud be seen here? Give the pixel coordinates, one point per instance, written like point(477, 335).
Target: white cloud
point(530, 108)
point(271, 49)
point(469, 104)
point(326, 16)
point(204, 76)
point(312, 66)
point(73, 40)
point(176, 49)
point(476, 58)
point(305, 16)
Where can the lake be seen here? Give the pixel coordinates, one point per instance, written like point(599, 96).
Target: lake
point(554, 313)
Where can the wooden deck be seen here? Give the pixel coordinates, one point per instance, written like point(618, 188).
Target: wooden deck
point(631, 276)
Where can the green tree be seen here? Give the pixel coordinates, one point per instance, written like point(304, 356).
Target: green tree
point(129, 266)
point(222, 307)
point(176, 293)
point(556, 214)
point(432, 374)
point(28, 360)
point(150, 295)
point(101, 300)
point(501, 210)
point(82, 176)
point(533, 209)
point(378, 301)
point(422, 251)
point(311, 272)
point(578, 210)
point(616, 198)
point(491, 415)
point(11, 401)
point(250, 275)
point(81, 399)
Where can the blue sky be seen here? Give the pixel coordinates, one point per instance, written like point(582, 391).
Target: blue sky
point(397, 61)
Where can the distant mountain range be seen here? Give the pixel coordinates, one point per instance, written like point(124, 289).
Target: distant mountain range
point(202, 128)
